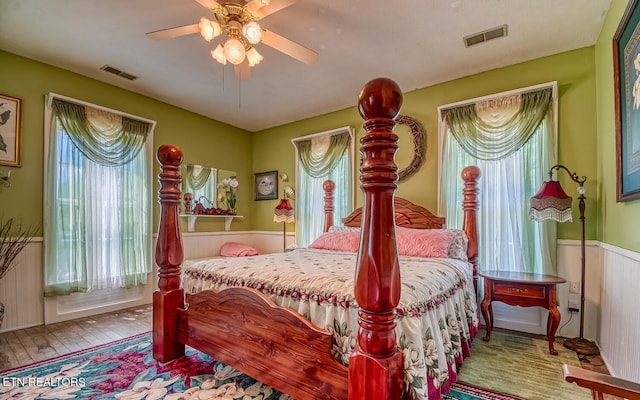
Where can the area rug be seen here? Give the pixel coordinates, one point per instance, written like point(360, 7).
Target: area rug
point(126, 369)
point(522, 366)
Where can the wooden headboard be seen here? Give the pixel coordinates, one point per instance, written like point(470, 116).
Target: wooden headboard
point(407, 215)
point(411, 215)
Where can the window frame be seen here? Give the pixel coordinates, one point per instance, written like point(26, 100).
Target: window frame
point(443, 130)
point(148, 148)
point(351, 132)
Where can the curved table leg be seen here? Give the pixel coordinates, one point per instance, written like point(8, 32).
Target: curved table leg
point(487, 313)
point(552, 325)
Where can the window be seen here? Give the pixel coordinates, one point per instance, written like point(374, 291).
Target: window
point(326, 155)
point(97, 198)
point(511, 137)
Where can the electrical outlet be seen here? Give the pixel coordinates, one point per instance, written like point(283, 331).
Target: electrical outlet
point(574, 287)
point(574, 305)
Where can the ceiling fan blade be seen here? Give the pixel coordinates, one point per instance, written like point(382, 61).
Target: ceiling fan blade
point(174, 32)
point(260, 10)
point(210, 4)
point(289, 47)
point(242, 70)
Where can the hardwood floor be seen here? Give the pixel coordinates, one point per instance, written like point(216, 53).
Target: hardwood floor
point(26, 346)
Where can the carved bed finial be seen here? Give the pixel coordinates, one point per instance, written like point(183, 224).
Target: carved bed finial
point(375, 366)
point(380, 98)
point(328, 186)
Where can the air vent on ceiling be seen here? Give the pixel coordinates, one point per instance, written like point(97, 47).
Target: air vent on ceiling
point(118, 72)
point(483, 36)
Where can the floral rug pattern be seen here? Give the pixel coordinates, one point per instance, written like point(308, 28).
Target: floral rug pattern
point(126, 370)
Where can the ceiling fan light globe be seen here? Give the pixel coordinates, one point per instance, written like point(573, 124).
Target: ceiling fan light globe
point(254, 57)
point(252, 31)
point(209, 29)
point(218, 54)
point(234, 51)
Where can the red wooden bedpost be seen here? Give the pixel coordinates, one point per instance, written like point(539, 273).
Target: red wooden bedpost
point(375, 366)
point(169, 296)
point(470, 177)
point(328, 187)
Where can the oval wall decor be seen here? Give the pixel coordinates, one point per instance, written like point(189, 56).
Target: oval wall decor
point(417, 136)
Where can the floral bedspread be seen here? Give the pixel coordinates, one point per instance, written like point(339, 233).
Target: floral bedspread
point(437, 309)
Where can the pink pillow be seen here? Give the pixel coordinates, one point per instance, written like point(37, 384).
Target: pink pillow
point(411, 242)
point(423, 242)
point(235, 249)
point(339, 241)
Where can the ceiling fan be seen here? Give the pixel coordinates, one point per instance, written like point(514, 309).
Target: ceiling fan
point(237, 22)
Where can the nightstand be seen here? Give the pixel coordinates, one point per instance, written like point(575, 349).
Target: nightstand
point(525, 290)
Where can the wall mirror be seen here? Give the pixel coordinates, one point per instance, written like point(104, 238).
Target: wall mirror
point(202, 183)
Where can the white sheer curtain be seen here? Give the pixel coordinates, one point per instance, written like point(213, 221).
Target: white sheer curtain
point(318, 158)
point(97, 200)
point(511, 172)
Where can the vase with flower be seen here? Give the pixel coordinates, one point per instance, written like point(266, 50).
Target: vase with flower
point(227, 192)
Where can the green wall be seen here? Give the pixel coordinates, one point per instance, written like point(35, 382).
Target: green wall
point(585, 126)
point(619, 221)
point(575, 73)
point(203, 141)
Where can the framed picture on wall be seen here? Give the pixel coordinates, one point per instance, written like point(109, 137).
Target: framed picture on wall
point(266, 185)
point(626, 76)
point(10, 130)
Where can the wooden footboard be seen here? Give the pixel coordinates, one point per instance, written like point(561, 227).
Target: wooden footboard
point(238, 326)
point(243, 328)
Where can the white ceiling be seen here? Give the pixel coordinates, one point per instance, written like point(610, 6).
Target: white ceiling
point(417, 43)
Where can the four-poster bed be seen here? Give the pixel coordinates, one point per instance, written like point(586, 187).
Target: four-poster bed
point(241, 324)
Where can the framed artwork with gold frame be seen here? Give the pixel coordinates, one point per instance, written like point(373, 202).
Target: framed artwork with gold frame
point(10, 108)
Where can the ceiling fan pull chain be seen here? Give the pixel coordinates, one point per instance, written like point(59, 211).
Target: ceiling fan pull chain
point(239, 94)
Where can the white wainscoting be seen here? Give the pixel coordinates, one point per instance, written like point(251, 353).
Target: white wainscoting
point(207, 244)
point(619, 316)
point(21, 290)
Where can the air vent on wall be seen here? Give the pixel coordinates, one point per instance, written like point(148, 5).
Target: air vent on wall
point(483, 36)
point(118, 72)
